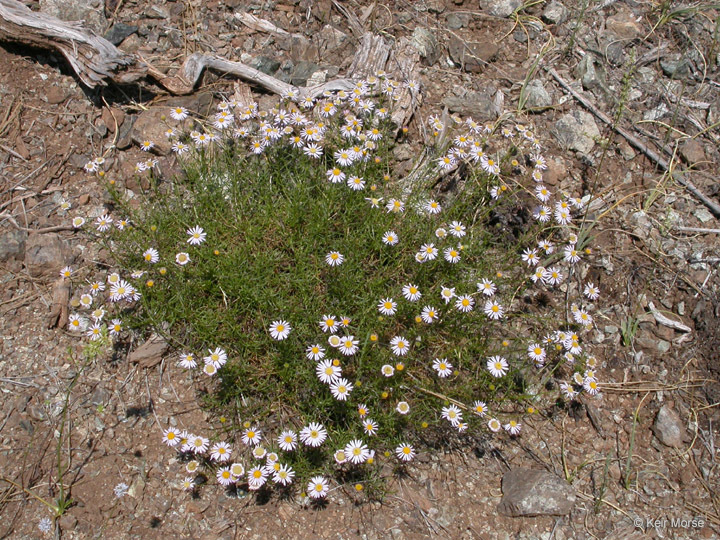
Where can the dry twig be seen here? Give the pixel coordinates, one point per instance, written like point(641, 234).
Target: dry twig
point(634, 141)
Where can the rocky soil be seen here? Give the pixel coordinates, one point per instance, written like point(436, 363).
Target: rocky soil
point(640, 461)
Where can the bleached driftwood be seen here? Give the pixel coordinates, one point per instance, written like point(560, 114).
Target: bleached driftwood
point(93, 58)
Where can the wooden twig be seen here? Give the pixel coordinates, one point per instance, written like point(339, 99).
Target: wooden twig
point(55, 228)
point(698, 230)
point(678, 176)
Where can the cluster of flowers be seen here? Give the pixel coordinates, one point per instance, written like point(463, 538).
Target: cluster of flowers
point(267, 463)
point(359, 121)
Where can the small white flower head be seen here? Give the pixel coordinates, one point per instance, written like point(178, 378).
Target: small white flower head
point(356, 183)
point(313, 434)
point(196, 444)
point(103, 223)
point(348, 345)
point(224, 476)
point(357, 452)
point(530, 256)
point(387, 306)
point(280, 330)
point(340, 456)
point(220, 452)
point(443, 367)
point(334, 258)
point(411, 292)
point(432, 207)
point(405, 452)
point(553, 276)
point(447, 293)
point(328, 323)
point(591, 291)
point(429, 252)
point(513, 427)
point(252, 436)
point(151, 255)
point(429, 314)
point(452, 414)
point(479, 408)
point(287, 440)
point(78, 222)
point(259, 451)
point(210, 370)
point(66, 272)
point(452, 255)
point(257, 476)
point(341, 389)
point(216, 357)
point(363, 410)
point(497, 366)
point(464, 303)
point(395, 205)
point(315, 352)
point(590, 385)
point(493, 310)
point(390, 238)
point(317, 487)
point(494, 425)
point(402, 407)
point(115, 327)
point(370, 426)
point(171, 436)
point(536, 353)
point(457, 229)
point(178, 113)
point(399, 346)
point(182, 258)
point(387, 370)
point(327, 371)
point(486, 287)
point(284, 475)
point(196, 236)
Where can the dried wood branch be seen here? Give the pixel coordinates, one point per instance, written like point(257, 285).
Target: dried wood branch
point(661, 162)
point(92, 57)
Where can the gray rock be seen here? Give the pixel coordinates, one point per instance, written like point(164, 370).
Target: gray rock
point(100, 396)
point(12, 245)
point(302, 72)
point(529, 492)
point(91, 12)
point(500, 8)
point(592, 75)
point(669, 428)
point(555, 13)
point(46, 254)
point(676, 65)
point(265, 64)
point(479, 105)
point(473, 56)
point(424, 42)
point(157, 12)
point(577, 131)
point(117, 33)
point(536, 97)
point(455, 21)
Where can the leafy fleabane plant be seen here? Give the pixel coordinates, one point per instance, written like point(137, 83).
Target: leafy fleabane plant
point(328, 312)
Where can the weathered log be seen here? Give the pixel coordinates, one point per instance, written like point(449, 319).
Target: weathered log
point(93, 58)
